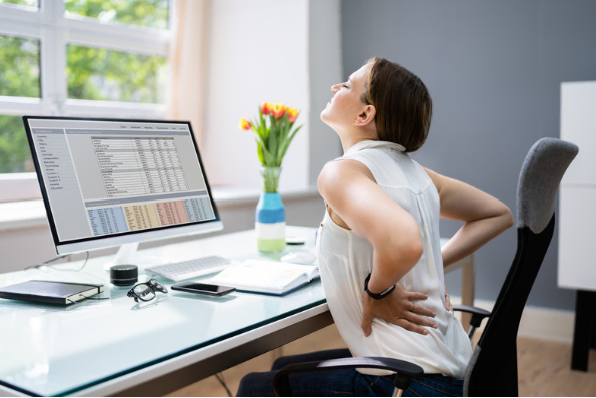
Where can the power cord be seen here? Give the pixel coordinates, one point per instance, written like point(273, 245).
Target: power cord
point(45, 263)
point(220, 378)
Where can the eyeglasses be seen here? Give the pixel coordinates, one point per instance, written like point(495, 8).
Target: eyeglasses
point(146, 291)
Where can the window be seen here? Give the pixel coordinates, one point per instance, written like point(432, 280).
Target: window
point(103, 58)
point(27, 3)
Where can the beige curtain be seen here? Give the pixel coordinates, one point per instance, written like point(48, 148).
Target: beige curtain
point(188, 63)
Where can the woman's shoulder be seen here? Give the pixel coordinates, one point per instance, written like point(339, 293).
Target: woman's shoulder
point(342, 168)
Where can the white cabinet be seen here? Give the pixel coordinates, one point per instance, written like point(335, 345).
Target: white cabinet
point(577, 198)
point(577, 237)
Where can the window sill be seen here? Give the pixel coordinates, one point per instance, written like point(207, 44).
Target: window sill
point(239, 196)
point(31, 214)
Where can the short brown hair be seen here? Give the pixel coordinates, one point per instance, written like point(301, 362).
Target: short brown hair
point(402, 102)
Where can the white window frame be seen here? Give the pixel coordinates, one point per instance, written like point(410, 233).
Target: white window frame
point(55, 31)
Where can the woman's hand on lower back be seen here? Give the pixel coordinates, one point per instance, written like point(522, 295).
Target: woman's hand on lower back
point(398, 308)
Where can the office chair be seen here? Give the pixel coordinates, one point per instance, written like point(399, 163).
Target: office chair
point(492, 370)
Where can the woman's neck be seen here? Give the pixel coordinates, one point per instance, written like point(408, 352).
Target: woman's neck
point(348, 142)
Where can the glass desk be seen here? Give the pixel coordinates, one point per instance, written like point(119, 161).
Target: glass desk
point(117, 346)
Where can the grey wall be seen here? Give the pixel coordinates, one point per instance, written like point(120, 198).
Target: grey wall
point(493, 69)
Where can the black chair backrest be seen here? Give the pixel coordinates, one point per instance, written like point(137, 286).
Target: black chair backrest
point(492, 371)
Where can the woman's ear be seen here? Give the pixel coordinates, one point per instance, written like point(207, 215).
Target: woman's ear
point(366, 116)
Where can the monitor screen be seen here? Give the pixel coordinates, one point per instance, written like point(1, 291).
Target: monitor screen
point(109, 178)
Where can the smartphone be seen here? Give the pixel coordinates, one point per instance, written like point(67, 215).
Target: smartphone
point(203, 288)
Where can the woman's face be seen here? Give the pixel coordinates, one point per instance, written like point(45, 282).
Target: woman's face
point(345, 105)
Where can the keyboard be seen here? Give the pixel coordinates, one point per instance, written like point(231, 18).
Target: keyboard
point(190, 268)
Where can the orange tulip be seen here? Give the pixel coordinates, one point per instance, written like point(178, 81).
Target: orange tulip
point(292, 114)
point(278, 110)
point(266, 108)
point(244, 124)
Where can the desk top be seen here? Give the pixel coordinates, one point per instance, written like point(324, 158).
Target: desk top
point(51, 350)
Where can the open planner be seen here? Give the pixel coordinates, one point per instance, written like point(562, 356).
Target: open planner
point(270, 277)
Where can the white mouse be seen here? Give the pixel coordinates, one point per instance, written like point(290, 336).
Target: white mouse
point(305, 258)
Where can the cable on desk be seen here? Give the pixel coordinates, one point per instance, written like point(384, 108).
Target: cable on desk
point(70, 269)
point(47, 262)
point(59, 269)
point(220, 378)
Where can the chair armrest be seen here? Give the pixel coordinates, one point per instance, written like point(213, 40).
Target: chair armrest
point(404, 370)
point(478, 314)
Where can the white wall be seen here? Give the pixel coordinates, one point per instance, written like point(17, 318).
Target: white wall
point(258, 52)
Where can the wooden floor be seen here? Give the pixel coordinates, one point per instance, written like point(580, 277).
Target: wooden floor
point(543, 368)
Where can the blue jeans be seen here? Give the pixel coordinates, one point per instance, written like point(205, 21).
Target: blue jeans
point(343, 382)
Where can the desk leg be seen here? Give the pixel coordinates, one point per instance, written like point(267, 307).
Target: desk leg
point(468, 281)
point(583, 333)
point(593, 343)
point(276, 353)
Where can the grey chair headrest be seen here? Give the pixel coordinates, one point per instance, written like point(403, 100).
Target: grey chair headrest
point(541, 174)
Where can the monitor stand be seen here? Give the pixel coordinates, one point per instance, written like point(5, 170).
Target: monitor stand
point(127, 254)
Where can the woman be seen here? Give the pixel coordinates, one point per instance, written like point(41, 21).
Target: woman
point(381, 229)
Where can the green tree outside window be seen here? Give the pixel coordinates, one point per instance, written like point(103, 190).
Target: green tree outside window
point(147, 13)
point(92, 73)
point(109, 75)
point(19, 77)
point(29, 3)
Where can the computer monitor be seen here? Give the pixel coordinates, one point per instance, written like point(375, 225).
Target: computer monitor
point(114, 182)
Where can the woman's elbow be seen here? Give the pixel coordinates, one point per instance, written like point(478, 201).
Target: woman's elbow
point(416, 250)
point(508, 220)
point(410, 243)
point(410, 250)
point(399, 249)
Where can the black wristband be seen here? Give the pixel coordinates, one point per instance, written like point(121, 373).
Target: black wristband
point(377, 296)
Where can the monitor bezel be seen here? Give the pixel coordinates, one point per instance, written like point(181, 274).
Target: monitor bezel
point(104, 241)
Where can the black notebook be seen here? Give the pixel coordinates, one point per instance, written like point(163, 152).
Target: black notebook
point(50, 292)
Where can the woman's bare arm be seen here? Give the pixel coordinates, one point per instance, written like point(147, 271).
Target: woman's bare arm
point(484, 215)
point(350, 190)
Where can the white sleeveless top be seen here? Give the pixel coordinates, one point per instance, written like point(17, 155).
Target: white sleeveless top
point(345, 259)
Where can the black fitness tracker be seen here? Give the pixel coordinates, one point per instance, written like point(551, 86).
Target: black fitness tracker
point(377, 296)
